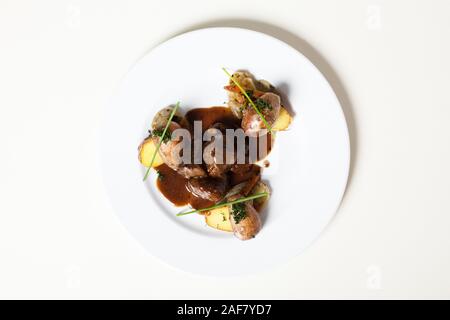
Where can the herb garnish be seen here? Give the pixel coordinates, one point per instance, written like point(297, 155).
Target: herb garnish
point(222, 204)
point(163, 134)
point(260, 103)
point(263, 104)
point(238, 212)
point(249, 99)
point(159, 133)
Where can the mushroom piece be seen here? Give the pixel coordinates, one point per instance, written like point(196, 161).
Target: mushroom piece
point(162, 116)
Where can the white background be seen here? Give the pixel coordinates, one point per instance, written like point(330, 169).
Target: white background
point(60, 62)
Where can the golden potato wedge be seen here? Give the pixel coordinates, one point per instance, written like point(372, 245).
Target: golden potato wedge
point(283, 121)
point(219, 218)
point(146, 151)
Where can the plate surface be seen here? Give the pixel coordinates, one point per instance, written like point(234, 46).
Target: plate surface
point(308, 165)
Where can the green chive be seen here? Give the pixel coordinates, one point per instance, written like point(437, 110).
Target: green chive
point(255, 196)
point(161, 138)
point(248, 98)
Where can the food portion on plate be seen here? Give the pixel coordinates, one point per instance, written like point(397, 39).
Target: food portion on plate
point(211, 159)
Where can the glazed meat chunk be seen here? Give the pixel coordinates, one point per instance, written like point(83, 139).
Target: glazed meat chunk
point(269, 105)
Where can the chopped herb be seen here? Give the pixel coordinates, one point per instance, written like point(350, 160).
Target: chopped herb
point(160, 175)
point(260, 103)
point(238, 212)
point(165, 136)
point(223, 216)
point(263, 104)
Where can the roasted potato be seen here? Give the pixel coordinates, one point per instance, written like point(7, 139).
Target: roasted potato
point(259, 203)
point(283, 121)
point(146, 151)
point(219, 218)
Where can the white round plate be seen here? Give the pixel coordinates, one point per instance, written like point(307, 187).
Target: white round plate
point(308, 165)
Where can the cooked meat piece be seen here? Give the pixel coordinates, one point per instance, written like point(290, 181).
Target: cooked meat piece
point(217, 170)
point(208, 188)
point(243, 189)
point(244, 172)
point(250, 184)
point(245, 220)
point(191, 171)
point(217, 166)
point(269, 106)
point(169, 152)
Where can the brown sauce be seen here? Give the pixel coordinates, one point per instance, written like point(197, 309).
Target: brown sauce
point(173, 186)
point(212, 115)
